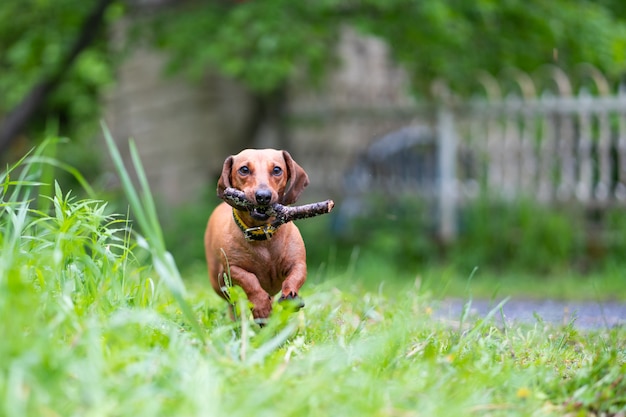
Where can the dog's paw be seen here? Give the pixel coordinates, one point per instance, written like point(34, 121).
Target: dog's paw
point(292, 300)
point(261, 307)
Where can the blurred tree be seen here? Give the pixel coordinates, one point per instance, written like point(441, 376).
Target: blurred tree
point(260, 43)
point(54, 63)
point(54, 45)
point(454, 39)
point(264, 43)
point(618, 7)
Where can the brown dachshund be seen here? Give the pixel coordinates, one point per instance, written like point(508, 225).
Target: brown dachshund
point(258, 257)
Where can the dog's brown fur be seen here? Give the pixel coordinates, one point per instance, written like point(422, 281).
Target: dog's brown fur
point(260, 268)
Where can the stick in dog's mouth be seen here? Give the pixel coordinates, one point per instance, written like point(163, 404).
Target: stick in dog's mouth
point(284, 214)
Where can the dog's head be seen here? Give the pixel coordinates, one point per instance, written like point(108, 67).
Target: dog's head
point(266, 176)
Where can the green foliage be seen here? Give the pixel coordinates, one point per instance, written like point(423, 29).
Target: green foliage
point(89, 330)
point(615, 235)
point(519, 235)
point(599, 386)
point(35, 37)
point(494, 235)
point(397, 230)
point(264, 44)
point(520, 33)
point(144, 209)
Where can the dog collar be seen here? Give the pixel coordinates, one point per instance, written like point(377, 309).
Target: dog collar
point(258, 233)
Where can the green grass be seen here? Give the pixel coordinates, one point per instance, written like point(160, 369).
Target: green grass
point(606, 285)
point(97, 321)
point(440, 281)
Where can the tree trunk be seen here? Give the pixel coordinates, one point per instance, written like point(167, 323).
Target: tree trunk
point(17, 119)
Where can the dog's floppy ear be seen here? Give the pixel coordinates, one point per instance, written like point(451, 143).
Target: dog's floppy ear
point(224, 181)
point(297, 180)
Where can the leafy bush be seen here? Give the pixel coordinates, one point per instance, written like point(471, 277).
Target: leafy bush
point(521, 234)
point(400, 231)
point(615, 235)
point(496, 235)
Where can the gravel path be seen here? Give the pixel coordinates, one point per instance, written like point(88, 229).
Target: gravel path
point(586, 315)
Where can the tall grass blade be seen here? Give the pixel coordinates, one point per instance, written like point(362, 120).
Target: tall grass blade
point(468, 305)
point(144, 209)
point(16, 185)
point(147, 200)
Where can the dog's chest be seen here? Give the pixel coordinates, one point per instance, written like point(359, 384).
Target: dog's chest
point(267, 265)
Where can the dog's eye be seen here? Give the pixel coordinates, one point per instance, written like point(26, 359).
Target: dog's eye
point(244, 170)
point(277, 171)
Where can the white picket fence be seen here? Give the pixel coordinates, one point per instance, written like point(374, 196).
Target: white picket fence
point(556, 139)
point(556, 145)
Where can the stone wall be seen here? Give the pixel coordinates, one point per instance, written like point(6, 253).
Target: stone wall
point(184, 130)
point(366, 97)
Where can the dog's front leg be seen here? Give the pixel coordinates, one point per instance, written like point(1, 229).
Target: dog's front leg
point(260, 299)
point(293, 282)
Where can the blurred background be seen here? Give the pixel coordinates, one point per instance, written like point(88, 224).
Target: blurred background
point(452, 135)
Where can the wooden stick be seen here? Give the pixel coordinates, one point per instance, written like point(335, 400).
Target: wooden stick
point(284, 214)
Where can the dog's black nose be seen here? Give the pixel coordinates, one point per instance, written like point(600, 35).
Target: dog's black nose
point(263, 197)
